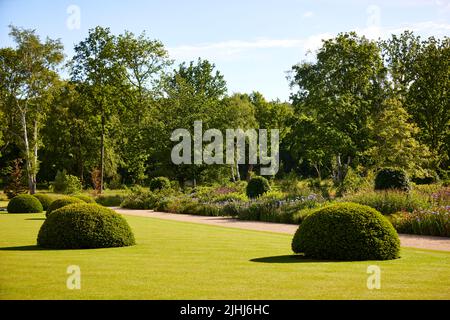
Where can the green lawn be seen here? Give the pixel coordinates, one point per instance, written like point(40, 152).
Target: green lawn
point(176, 260)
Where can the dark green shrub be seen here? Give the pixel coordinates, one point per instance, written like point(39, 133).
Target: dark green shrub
point(392, 178)
point(430, 179)
point(24, 203)
point(347, 231)
point(44, 199)
point(159, 183)
point(85, 198)
point(82, 226)
point(257, 186)
point(62, 202)
point(110, 200)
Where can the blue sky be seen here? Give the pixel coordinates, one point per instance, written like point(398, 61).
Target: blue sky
point(253, 43)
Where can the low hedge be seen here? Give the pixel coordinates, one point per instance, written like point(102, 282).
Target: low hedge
point(62, 202)
point(83, 226)
point(44, 199)
point(24, 203)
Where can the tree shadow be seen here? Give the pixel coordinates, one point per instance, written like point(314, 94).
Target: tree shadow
point(35, 219)
point(292, 258)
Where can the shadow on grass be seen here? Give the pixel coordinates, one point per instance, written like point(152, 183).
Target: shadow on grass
point(293, 258)
point(23, 248)
point(37, 248)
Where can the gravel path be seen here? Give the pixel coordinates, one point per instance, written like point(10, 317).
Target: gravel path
point(407, 240)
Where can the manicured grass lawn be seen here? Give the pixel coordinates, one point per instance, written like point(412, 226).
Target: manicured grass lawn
point(177, 260)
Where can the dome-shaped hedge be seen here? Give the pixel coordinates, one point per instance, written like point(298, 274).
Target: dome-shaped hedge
point(62, 202)
point(391, 178)
point(159, 183)
point(44, 199)
point(83, 226)
point(24, 203)
point(257, 186)
point(347, 231)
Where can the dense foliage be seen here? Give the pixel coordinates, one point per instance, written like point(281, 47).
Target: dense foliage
point(66, 183)
point(346, 231)
point(111, 124)
point(110, 200)
point(390, 201)
point(83, 226)
point(24, 203)
point(85, 198)
point(432, 222)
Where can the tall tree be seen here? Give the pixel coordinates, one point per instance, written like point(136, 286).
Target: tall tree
point(395, 143)
point(69, 135)
point(428, 99)
point(341, 92)
point(145, 61)
point(192, 92)
point(238, 113)
point(28, 76)
point(400, 53)
point(96, 66)
point(419, 77)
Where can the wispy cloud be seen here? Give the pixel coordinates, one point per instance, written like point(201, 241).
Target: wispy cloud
point(234, 49)
point(308, 14)
point(425, 29)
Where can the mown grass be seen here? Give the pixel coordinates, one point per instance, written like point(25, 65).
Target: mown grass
point(177, 260)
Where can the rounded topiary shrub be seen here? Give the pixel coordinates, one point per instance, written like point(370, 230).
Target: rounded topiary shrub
point(257, 186)
point(24, 203)
point(346, 231)
point(83, 226)
point(62, 202)
point(159, 183)
point(44, 199)
point(391, 178)
point(84, 198)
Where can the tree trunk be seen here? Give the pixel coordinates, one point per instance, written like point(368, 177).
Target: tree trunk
point(249, 170)
point(27, 150)
point(34, 165)
point(238, 174)
point(317, 167)
point(102, 154)
point(232, 173)
point(341, 169)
